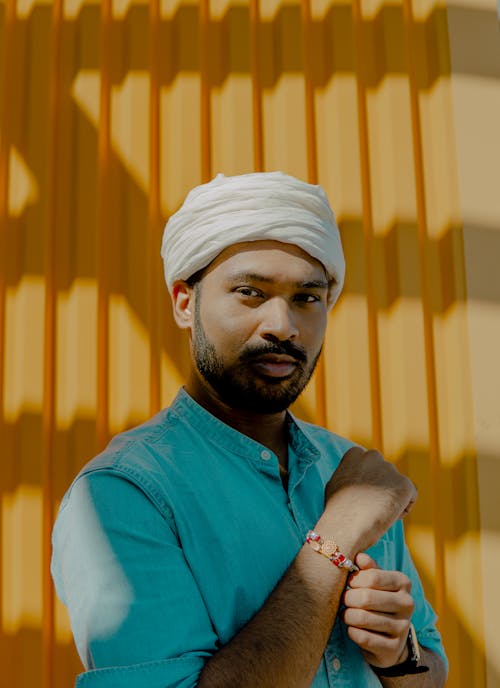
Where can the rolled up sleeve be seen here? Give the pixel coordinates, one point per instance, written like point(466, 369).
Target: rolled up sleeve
point(137, 615)
point(182, 672)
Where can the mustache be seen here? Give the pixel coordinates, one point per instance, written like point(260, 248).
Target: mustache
point(285, 348)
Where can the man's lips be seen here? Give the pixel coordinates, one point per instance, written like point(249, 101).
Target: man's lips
point(275, 365)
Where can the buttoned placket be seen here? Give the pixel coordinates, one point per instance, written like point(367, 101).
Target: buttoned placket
point(334, 658)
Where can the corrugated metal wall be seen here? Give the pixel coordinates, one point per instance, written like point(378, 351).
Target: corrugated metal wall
point(110, 112)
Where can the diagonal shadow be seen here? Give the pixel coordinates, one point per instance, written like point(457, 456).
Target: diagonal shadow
point(77, 443)
point(80, 40)
point(395, 265)
point(280, 43)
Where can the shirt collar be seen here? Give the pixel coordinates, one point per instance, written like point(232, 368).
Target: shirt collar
point(218, 432)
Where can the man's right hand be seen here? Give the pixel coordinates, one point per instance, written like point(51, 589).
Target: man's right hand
point(369, 494)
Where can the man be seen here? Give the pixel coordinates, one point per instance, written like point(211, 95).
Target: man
point(225, 543)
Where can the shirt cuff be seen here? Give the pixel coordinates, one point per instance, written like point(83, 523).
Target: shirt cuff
point(179, 672)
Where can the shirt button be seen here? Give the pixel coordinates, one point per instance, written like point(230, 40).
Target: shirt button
point(336, 664)
point(266, 455)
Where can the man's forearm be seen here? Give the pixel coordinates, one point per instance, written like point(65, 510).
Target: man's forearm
point(282, 645)
point(434, 678)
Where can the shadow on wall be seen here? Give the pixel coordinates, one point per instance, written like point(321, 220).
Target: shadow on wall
point(77, 204)
point(76, 251)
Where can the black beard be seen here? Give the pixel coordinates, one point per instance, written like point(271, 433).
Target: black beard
point(239, 385)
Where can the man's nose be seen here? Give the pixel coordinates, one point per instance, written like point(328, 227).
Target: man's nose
point(277, 321)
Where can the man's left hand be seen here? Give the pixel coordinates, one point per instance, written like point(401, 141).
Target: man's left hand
point(378, 610)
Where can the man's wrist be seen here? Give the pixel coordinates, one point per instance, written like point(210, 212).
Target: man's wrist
point(410, 665)
point(334, 527)
point(405, 654)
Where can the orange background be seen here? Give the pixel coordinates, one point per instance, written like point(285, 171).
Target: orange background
point(109, 113)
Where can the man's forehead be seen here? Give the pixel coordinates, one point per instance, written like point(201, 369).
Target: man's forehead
point(260, 257)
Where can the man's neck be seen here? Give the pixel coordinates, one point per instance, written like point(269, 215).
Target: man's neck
point(268, 429)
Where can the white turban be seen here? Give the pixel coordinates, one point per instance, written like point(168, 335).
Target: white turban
point(251, 207)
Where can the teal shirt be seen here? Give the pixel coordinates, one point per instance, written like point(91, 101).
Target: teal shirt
point(168, 542)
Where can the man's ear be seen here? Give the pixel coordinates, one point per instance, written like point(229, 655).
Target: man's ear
point(183, 302)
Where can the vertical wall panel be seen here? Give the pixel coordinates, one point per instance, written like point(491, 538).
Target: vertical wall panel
point(7, 27)
point(154, 208)
point(52, 229)
point(207, 49)
point(105, 267)
point(256, 63)
point(283, 87)
point(231, 94)
point(101, 138)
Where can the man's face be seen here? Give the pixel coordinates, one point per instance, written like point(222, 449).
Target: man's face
point(259, 320)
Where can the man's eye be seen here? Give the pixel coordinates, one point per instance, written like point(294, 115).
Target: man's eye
point(248, 291)
point(307, 298)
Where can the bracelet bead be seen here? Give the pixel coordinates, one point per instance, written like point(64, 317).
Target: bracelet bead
point(330, 550)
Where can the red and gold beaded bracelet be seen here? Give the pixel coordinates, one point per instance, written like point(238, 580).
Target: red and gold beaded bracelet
point(330, 550)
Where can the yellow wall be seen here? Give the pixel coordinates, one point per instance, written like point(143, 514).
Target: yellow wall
point(476, 101)
point(109, 113)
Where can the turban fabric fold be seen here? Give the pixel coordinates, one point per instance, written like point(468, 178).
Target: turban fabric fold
point(251, 207)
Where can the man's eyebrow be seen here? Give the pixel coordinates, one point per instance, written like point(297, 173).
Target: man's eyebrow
point(256, 277)
point(249, 277)
point(313, 284)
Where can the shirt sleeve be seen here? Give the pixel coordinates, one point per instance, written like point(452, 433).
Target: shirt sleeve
point(137, 615)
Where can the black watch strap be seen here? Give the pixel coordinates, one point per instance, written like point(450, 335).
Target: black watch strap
point(403, 669)
point(411, 665)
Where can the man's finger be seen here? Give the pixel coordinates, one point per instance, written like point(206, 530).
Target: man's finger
point(377, 622)
point(364, 561)
point(379, 579)
point(400, 604)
